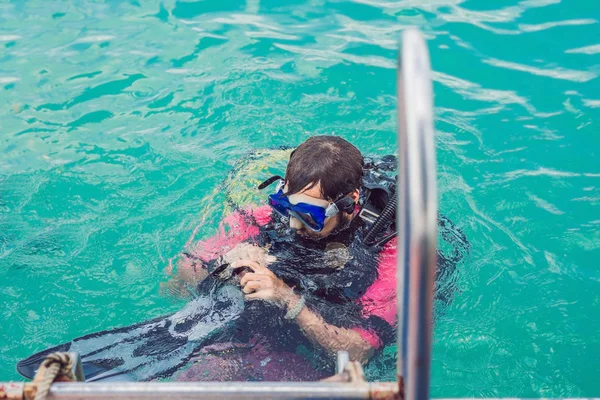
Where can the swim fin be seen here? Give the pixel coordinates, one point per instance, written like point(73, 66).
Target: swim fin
point(153, 349)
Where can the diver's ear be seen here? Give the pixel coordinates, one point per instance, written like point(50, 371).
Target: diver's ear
point(355, 196)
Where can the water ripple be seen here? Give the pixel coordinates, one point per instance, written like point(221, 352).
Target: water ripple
point(120, 120)
point(550, 25)
point(556, 73)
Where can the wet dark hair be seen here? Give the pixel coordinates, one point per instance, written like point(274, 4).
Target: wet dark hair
point(329, 160)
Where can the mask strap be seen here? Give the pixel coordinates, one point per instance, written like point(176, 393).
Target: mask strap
point(346, 204)
point(269, 182)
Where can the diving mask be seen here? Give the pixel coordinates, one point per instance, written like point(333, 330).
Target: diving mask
point(312, 216)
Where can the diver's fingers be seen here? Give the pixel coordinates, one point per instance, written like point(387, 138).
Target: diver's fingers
point(258, 295)
point(245, 263)
point(255, 253)
point(251, 287)
point(249, 277)
point(259, 269)
point(248, 251)
point(252, 296)
point(270, 259)
point(242, 251)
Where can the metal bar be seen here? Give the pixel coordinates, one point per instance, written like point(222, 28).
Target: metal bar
point(204, 390)
point(12, 390)
point(224, 390)
point(77, 367)
point(184, 391)
point(417, 219)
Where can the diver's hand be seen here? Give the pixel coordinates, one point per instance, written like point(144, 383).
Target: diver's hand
point(262, 284)
point(248, 251)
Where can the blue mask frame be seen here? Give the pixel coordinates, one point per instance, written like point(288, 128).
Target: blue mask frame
point(312, 216)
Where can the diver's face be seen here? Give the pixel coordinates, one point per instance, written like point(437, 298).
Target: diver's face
point(312, 195)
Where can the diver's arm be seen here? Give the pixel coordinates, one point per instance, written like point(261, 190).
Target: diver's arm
point(262, 284)
point(331, 337)
point(191, 270)
point(234, 233)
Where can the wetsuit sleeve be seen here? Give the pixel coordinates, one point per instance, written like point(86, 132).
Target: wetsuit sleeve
point(379, 301)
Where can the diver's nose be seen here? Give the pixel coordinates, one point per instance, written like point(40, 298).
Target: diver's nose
point(295, 223)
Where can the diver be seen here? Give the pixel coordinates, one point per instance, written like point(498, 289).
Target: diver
point(333, 209)
point(281, 287)
point(319, 200)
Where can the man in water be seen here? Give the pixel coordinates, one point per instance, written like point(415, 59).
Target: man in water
point(319, 199)
point(284, 288)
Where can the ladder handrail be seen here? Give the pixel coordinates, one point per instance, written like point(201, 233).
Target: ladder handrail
point(417, 216)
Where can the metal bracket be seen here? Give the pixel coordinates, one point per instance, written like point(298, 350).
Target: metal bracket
point(343, 358)
point(368, 215)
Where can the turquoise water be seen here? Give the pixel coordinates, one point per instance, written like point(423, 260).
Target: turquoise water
point(118, 120)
